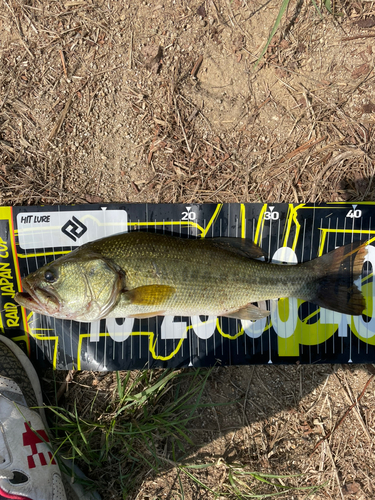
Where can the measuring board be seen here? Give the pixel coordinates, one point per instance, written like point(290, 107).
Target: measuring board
point(296, 331)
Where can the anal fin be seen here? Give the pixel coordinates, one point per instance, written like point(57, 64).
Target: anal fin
point(147, 315)
point(248, 312)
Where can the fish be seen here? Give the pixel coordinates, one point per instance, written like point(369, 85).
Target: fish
point(143, 274)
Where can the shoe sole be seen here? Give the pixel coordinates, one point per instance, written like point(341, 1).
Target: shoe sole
point(30, 372)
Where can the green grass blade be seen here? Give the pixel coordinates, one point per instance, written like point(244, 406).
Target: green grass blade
point(198, 466)
point(328, 6)
point(317, 9)
point(181, 486)
point(242, 489)
point(283, 8)
point(196, 480)
point(82, 434)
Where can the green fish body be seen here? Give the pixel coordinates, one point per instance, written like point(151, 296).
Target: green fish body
point(141, 275)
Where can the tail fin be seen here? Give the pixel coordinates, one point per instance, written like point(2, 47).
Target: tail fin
point(337, 270)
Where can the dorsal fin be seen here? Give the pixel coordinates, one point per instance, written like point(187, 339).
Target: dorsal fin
point(239, 246)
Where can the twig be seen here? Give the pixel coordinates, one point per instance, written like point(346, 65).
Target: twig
point(91, 102)
point(60, 121)
point(63, 63)
point(196, 67)
point(107, 70)
point(131, 51)
point(345, 414)
point(309, 144)
point(182, 127)
point(335, 470)
point(30, 23)
point(19, 30)
point(348, 38)
point(7, 146)
point(64, 385)
point(349, 395)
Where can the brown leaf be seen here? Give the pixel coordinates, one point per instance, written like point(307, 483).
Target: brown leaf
point(366, 23)
point(281, 72)
point(178, 171)
point(352, 488)
point(361, 184)
point(153, 55)
point(238, 43)
point(201, 11)
point(361, 70)
point(92, 198)
point(284, 44)
point(68, 128)
point(368, 108)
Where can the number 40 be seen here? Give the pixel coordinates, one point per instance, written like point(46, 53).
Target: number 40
point(354, 214)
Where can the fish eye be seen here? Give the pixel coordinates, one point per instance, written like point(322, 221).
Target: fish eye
point(49, 277)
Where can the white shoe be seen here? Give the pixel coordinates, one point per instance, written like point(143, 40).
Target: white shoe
point(28, 469)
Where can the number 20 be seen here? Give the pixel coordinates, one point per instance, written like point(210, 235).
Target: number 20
point(188, 216)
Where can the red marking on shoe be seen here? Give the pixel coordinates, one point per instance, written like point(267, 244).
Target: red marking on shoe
point(30, 462)
point(32, 438)
point(42, 459)
point(4, 495)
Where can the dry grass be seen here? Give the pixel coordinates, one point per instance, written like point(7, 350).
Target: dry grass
point(161, 102)
point(312, 427)
point(94, 95)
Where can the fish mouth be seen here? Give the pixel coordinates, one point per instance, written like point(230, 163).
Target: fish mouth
point(37, 299)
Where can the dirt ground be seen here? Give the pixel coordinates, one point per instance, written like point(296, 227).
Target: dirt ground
point(111, 101)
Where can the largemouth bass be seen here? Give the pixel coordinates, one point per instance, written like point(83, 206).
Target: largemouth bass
point(141, 275)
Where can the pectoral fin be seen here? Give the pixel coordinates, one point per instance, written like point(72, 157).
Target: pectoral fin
point(149, 295)
point(249, 312)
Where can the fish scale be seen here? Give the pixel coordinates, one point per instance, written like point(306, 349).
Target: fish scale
point(206, 278)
